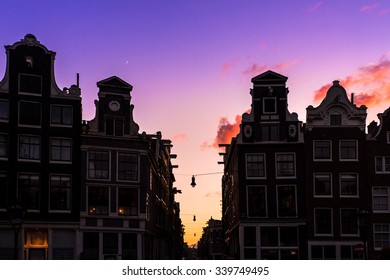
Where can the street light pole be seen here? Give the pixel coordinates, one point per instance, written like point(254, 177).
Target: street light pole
point(16, 214)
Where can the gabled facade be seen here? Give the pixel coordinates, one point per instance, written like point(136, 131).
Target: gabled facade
point(263, 186)
point(376, 227)
point(335, 142)
point(40, 129)
point(127, 201)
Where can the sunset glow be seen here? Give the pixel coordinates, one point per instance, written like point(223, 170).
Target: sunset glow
point(191, 63)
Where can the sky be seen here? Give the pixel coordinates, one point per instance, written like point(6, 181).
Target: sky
point(191, 65)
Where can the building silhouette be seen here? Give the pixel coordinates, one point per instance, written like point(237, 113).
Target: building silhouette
point(94, 189)
point(40, 127)
point(317, 190)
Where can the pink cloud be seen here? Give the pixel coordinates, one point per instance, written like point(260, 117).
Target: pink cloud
point(370, 84)
point(314, 7)
point(226, 67)
point(180, 137)
point(368, 8)
point(225, 132)
point(256, 69)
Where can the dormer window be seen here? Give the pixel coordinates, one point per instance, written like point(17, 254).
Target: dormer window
point(269, 105)
point(335, 119)
point(114, 126)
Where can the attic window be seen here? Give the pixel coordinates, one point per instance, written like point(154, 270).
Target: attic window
point(29, 61)
point(335, 119)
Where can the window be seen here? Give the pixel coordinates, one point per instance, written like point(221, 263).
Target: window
point(30, 84)
point(349, 185)
point(98, 200)
point(29, 147)
point(349, 221)
point(269, 132)
point(28, 190)
point(348, 150)
point(114, 126)
point(127, 167)
point(3, 191)
point(381, 236)
point(382, 164)
point(287, 201)
point(60, 192)
point(98, 165)
point(322, 184)
point(255, 165)
point(335, 119)
point(279, 243)
point(250, 243)
point(323, 252)
point(60, 149)
point(322, 150)
point(256, 198)
point(61, 115)
point(269, 105)
point(323, 221)
point(4, 110)
point(380, 199)
point(3, 145)
point(285, 165)
point(29, 113)
point(127, 202)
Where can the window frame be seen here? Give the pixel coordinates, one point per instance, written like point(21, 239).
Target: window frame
point(356, 175)
point(277, 162)
point(248, 202)
point(380, 195)
point(29, 175)
point(27, 92)
point(118, 168)
point(30, 145)
point(19, 112)
point(61, 139)
point(5, 112)
point(316, 233)
point(383, 165)
point(108, 167)
point(356, 150)
point(5, 144)
point(61, 123)
point(255, 162)
point(131, 213)
point(295, 202)
point(356, 211)
point(114, 126)
point(330, 150)
point(384, 233)
point(68, 189)
point(103, 211)
point(330, 185)
point(266, 112)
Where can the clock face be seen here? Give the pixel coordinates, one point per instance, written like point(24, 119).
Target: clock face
point(114, 106)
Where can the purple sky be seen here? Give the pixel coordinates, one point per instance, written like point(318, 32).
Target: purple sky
point(191, 63)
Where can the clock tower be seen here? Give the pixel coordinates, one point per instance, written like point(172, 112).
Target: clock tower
point(114, 111)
